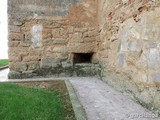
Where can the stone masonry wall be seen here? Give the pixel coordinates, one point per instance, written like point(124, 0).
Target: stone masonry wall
point(122, 35)
point(130, 48)
point(45, 34)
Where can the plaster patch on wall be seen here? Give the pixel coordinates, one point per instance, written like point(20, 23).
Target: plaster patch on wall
point(153, 58)
point(36, 36)
point(44, 7)
point(156, 77)
point(33, 8)
point(125, 1)
point(121, 60)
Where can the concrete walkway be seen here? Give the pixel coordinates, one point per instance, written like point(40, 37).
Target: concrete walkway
point(101, 102)
point(4, 74)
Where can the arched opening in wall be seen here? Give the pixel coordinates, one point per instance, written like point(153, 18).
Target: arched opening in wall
point(3, 39)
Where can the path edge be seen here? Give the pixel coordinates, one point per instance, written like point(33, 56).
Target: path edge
point(77, 107)
point(4, 67)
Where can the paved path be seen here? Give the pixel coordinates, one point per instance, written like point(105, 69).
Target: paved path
point(102, 102)
point(4, 74)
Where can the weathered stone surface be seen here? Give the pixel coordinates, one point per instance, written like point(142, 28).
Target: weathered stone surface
point(36, 35)
point(48, 63)
point(34, 65)
point(123, 36)
point(29, 58)
point(121, 60)
point(17, 22)
point(129, 47)
point(57, 49)
point(59, 41)
point(13, 43)
point(85, 70)
point(59, 33)
point(82, 47)
point(14, 75)
point(15, 58)
point(76, 37)
point(13, 28)
point(16, 36)
point(40, 35)
point(156, 77)
point(25, 43)
point(67, 64)
point(28, 36)
point(28, 74)
point(153, 58)
point(20, 66)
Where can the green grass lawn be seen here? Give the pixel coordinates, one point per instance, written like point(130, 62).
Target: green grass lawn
point(26, 103)
point(3, 62)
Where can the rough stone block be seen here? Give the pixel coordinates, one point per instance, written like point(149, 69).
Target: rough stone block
point(14, 75)
point(82, 47)
point(47, 34)
point(30, 58)
point(13, 43)
point(18, 50)
point(28, 74)
point(14, 29)
point(59, 33)
point(16, 36)
point(45, 22)
point(17, 22)
point(15, 58)
point(48, 63)
point(67, 65)
point(59, 49)
point(28, 36)
point(156, 77)
point(20, 66)
point(85, 70)
point(70, 30)
point(93, 33)
point(59, 41)
point(77, 38)
point(89, 39)
point(82, 30)
point(25, 43)
point(34, 65)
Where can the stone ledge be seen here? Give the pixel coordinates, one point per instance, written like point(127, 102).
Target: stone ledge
point(79, 111)
point(64, 69)
point(4, 67)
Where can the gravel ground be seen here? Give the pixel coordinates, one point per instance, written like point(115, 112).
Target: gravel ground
point(100, 101)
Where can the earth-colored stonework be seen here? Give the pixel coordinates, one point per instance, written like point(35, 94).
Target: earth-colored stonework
point(44, 37)
point(118, 40)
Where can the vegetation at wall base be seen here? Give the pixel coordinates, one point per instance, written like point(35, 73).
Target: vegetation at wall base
point(3, 62)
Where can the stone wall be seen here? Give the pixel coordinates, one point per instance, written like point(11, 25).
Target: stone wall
point(45, 34)
point(130, 48)
point(122, 35)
